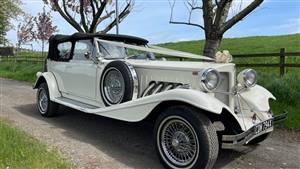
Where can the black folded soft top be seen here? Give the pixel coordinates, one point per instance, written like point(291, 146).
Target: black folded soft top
point(112, 37)
point(56, 39)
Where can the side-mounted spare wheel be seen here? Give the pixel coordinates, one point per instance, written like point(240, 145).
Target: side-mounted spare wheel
point(45, 106)
point(118, 83)
point(185, 138)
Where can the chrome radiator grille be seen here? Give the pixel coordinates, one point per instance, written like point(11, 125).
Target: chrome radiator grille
point(223, 87)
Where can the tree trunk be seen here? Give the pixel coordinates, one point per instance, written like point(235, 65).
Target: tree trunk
point(211, 47)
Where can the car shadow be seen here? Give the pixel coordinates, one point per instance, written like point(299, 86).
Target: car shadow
point(123, 141)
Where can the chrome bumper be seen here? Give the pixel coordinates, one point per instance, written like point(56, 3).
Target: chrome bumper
point(232, 141)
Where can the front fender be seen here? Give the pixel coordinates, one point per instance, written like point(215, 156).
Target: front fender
point(50, 79)
point(139, 109)
point(257, 98)
point(193, 97)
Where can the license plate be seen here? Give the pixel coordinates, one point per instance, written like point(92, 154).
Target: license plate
point(263, 126)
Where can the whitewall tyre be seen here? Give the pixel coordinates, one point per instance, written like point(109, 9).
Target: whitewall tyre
point(185, 139)
point(45, 106)
point(118, 83)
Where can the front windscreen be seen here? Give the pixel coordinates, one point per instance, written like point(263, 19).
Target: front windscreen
point(138, 54)
point(111, 51)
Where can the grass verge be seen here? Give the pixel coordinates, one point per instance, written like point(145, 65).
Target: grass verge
point(20, 71)
point(19, 150)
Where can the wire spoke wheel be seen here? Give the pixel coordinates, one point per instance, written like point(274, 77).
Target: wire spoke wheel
point(43, 100)
point(178, 141)
point(114, 86)
point(45, 106)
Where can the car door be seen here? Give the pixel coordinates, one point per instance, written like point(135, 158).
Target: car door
point(58, 67)
point(81, 72)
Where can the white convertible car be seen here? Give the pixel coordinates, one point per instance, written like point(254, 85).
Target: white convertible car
point(197, 107)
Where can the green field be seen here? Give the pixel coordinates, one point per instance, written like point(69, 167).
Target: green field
point(20, 151)
point(255, 44)
point(286, 89)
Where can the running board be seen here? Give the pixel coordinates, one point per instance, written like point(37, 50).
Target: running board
point(132, 111)
point(74, 104)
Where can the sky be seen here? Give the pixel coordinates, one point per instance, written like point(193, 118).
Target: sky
point(150, 19)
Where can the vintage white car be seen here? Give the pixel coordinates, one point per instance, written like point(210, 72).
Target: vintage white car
point(197, 107)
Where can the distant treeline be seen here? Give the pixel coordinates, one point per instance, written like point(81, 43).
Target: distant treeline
point(11, 51)
point(7, 51)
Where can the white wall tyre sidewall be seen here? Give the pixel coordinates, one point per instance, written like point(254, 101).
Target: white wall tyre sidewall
point(41, 111)
point(160, 148)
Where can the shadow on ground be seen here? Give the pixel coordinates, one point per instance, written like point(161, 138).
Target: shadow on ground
point(122, 141)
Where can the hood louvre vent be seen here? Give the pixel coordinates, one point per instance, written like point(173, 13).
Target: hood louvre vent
point(157, 87)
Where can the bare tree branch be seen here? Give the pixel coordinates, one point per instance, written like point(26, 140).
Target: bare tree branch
point(96, 3)
point(93, 9)
point(217, 3)
point(108, 15)
point(95, 19)
point(191, 6)
point(122, 15)
point(187, 23)
point(86, 15)
point(242, 14)
point(67, 17)
point(172, 5)
point(215, 14)
point(83, 22)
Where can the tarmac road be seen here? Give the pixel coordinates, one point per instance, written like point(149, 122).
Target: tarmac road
point(90, 141)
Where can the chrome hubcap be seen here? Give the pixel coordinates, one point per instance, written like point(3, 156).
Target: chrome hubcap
point(43, 101)
point(114, 86)
point(179, 142)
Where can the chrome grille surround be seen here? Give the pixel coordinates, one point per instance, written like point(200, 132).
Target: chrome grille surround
point(223, 87)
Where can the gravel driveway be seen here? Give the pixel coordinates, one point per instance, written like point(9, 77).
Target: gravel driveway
point(90, 141)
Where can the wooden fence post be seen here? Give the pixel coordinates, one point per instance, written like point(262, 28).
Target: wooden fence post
point(282, 62)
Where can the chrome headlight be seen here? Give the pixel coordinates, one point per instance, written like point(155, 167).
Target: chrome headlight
point(247, 78)
point(210, 79)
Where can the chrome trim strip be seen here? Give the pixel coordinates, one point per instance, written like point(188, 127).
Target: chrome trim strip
point(135, 81)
